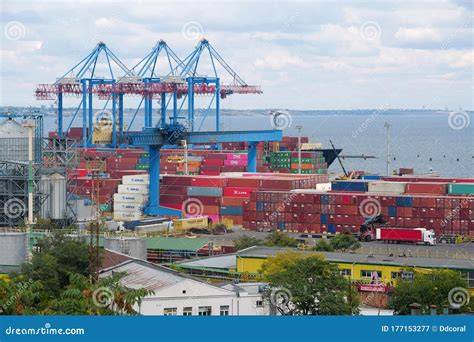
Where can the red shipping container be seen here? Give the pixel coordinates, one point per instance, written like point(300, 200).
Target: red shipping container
point(233, 201)
point(177, 180)
point(218, 162)
point(210, 173)
point(217, 182)
point(240, 192)
point(425, 188)
point(172, 199)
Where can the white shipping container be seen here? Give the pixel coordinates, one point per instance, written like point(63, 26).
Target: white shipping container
point(136, 180)
point(128, 207)
point(323, 186)
point(130, 198)
point(308, 191)
point(387, 187)
point(133, 189)
point(127, 215)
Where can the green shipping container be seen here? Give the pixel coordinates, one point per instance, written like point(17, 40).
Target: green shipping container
point(141, 167)
point(105, 207)
point(461, 189)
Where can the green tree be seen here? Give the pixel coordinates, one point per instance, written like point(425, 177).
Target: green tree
point(323, 246)
point(107, 297)
point(279, 239)
point(62, 254)
point(426, 289)
point(344, 242)
point(19, 296)
point(243, 242)
point(308, 285)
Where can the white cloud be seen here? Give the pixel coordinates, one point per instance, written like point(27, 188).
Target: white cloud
point(418, 34)
point(307, 46)
point(280, 59)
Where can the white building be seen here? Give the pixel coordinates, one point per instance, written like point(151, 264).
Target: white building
point(178, 294)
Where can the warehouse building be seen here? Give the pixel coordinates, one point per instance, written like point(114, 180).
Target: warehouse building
point(178, 294)
point(360, 267)
point(247, 263)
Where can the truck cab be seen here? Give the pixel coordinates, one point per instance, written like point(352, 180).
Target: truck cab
point(429, 236)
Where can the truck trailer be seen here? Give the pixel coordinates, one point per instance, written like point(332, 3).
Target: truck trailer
point(406, 235)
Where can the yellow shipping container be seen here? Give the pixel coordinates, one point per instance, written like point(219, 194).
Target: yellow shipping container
point(193, 222)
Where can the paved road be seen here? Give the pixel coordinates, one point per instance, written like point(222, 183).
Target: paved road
point(440, 250)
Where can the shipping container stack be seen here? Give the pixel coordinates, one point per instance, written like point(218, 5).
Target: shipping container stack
point(118, 163)
point(131, 197)
point(288, 162)
point(447, 208)
point(223, 197)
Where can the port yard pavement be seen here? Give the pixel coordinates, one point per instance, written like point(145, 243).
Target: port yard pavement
point(462, 249)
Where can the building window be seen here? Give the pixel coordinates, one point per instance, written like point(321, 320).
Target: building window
point(259, 303)
point(346, 272)
point(469, 276)
point(170, 311)
point(187, 311)
point(407, 276)
point(204, 311)
point(368, 273)
point(224, 310)
point(395, 275)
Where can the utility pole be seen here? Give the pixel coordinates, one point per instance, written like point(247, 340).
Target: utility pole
point(95, 166)
point(387, 126)
point(299, 127)
point(185, 145)
point(30, 124)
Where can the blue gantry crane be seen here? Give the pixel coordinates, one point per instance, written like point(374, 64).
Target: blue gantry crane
point(182, 80)
point(82, 80)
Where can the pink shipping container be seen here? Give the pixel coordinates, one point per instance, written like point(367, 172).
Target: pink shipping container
point(236, 162)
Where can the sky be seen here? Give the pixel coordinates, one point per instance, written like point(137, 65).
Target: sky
point(305, 55)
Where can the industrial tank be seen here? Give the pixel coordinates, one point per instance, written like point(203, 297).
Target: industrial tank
point(45, 188)
point(58, 196)
point(13, 251)
point(132, 246)
point(13, 141)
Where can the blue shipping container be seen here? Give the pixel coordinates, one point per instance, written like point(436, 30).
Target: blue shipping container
point(404, 201)
point(359, 186)
point(204, 191)
point(371, 177)
point(281, 225)
point(392, 211)
point(324, 218)
point(332, 228)
point(232, 211)
point(259, 206)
